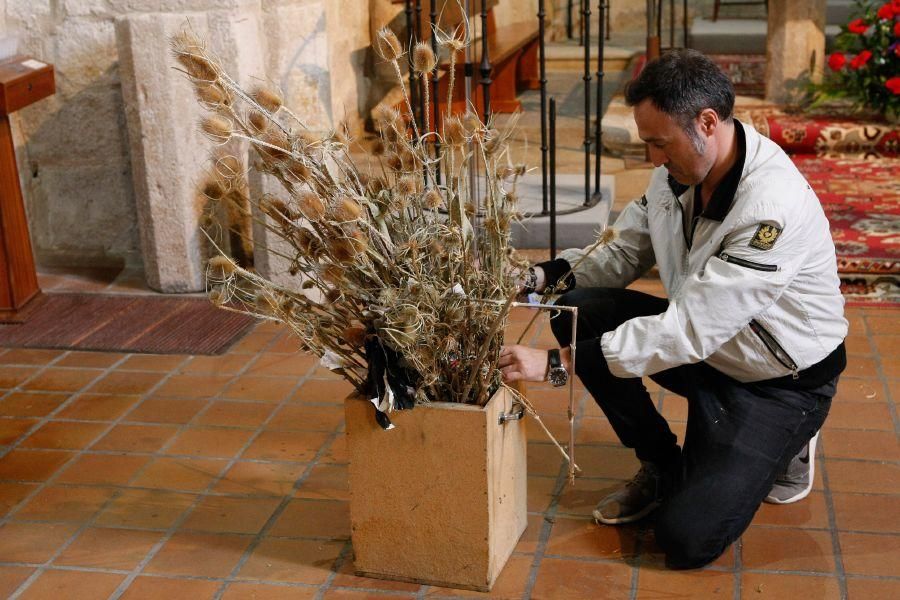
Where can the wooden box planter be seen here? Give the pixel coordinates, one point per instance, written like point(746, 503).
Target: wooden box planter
point(441, 498)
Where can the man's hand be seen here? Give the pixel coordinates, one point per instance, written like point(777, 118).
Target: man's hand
point(521, 363)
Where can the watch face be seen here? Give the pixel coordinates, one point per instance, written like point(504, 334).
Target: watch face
point(558, 377)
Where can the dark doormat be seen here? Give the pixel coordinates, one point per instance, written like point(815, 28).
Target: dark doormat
point(120, 323)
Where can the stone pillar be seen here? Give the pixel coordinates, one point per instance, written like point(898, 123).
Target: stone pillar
point(168, 153)
point(795, 47)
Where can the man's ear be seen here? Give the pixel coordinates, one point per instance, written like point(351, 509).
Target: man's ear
point(709, 120)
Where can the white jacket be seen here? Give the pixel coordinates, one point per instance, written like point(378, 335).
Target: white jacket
point(751, 313)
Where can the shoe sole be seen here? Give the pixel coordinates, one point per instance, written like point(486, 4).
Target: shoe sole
point(812, 474)
point(599, 518)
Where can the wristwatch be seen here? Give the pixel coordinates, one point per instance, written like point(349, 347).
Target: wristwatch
point(556, 372)
point(529, 283)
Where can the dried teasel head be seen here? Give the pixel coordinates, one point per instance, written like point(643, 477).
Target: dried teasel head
point(304, 239)
point(333, 274)
point(298, 169)
point(454, 132)
point(311, 205)
point(607, 236)
point(221, 267)
point(333, 295)
point(406, 185)
point(378, 148)
point(218, 296)
point(276, 209)
point(214, 189)
point(387, 45)
point(190, 51)
point(347, 248)
point(394, 162)
point(258, 121)
point(275, 145)
point(229, 166)
point(346, 209)
point(424, 60)
point(217, 128)
point(267, 98)
point(432, 199)
point(212, 94)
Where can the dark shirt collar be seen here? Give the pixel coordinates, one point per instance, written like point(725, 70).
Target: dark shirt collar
point(723, 196)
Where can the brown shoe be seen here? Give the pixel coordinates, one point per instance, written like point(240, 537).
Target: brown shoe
point(635, 500)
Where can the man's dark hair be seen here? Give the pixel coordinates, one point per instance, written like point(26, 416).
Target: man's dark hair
point(681, 83)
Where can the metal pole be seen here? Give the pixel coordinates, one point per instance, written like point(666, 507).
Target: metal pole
point(543, 70)
point(598, 130)
point(671, 23)
point(581, 40)
point(586, 30)
point(432, 21)
point(569, 7)
point(552, 178)
point(652, 40)
point(410, 38)
point(485, 63)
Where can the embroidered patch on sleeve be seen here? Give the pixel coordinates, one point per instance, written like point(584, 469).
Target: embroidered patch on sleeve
point(765, 237)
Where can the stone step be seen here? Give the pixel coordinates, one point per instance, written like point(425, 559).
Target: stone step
point(569, 56)
point(573, 230)
point(738, 36)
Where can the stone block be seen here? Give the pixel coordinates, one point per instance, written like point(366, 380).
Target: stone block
point(168, 153)
point(73, 218)
point(85, 54)
point(299, 61)
point(86, 128)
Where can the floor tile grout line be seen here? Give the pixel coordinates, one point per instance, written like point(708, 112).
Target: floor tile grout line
point(23, 587)
point(200, 496)
point(282, 506)
point(832, 524)
point(346, 551)
point(76, 453)
point(38, 371)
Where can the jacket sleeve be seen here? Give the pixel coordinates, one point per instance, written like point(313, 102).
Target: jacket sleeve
point(628, 256)
point(713, 305)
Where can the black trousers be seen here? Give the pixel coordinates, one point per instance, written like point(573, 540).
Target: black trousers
point(740, 436)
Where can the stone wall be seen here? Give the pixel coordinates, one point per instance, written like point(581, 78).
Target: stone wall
point(74, 151)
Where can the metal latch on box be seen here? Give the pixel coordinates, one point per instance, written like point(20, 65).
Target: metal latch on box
point(511, 416)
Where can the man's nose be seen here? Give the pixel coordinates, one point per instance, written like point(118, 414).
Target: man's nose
point(657, 156)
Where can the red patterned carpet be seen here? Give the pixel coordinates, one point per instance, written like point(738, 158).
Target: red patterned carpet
point(861, 196)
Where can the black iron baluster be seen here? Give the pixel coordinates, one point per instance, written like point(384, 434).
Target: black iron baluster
point(671, 23)
point(485, 63)
point(552, 178)
point(586, 32)
point(569, 6)
point(543, 70)
point(581, 40)
point(410, 38)
point(432, 21)
point(598, 130)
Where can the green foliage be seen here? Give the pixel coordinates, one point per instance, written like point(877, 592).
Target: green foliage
point(865, 66)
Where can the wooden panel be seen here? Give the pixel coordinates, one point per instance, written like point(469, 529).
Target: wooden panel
point(24, 81)
point(439, 499)
point(18, 280)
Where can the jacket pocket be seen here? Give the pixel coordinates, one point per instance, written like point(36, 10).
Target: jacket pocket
point(747, 263)
point(775, 348)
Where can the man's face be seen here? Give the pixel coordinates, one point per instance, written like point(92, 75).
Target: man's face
point(687, 160)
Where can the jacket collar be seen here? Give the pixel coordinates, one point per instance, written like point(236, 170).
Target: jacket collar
point(723, 196)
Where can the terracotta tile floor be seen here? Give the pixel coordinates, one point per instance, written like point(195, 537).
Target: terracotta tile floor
point(139, 476)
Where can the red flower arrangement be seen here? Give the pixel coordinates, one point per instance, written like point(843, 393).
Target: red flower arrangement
point(866, 64)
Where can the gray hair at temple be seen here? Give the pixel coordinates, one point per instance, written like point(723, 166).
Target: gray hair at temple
point(682, 83)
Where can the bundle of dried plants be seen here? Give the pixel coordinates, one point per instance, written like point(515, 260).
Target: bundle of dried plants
point(403, 286)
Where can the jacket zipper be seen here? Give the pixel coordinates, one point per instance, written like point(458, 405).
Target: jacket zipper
point(775, 348)
point(746, 263)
